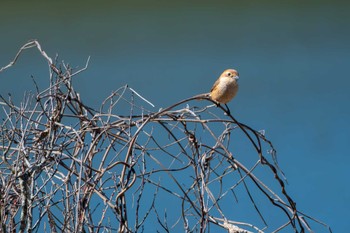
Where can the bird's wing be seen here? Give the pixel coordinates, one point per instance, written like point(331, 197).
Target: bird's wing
point(215, 85)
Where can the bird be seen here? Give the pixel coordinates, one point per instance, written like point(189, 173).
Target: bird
point(225, 88)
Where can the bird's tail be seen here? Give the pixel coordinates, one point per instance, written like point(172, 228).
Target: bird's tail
point(202, 96)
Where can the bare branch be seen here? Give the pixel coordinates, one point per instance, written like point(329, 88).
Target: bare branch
point(191, 166)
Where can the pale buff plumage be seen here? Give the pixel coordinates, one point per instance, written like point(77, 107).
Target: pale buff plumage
point(226, 87)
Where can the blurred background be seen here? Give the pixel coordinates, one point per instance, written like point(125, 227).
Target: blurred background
point(292, 56)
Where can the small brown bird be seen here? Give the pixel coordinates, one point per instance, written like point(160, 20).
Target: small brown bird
point(226, 87)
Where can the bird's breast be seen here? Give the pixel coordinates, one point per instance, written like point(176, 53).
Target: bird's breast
point(225, 90)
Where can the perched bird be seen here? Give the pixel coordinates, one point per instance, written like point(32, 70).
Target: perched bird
point(225, 88)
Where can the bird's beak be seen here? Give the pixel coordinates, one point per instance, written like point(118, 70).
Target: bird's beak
point(237, 77)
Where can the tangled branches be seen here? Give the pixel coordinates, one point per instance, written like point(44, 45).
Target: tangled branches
point(66, 167)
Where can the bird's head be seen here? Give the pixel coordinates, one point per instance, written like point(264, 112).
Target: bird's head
point(231, 73)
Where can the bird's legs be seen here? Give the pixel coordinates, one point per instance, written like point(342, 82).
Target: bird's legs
point(227, 110)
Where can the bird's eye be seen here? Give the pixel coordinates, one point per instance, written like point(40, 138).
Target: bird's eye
point(229, 74)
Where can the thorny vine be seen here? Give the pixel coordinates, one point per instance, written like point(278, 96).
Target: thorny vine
point(66, 167)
